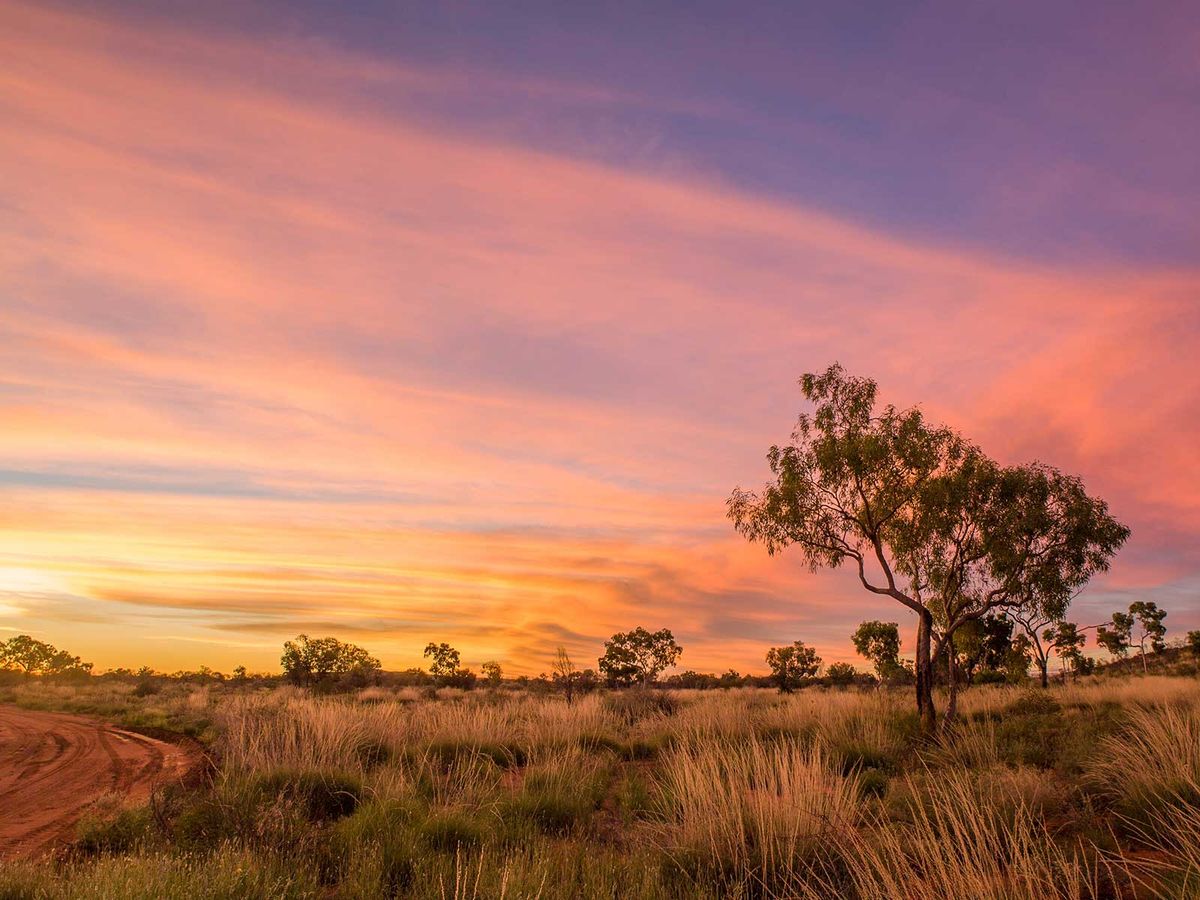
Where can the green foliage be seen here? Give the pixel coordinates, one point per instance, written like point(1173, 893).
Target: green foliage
point(841, 674)
point(315, 661)
point(879, 642)
point(1115, 638)
point(638, 656)
point(634, 706)
point(792, 665)
point(924, 516)
point(1150, 622)
point(124, 832)
point(451, 829)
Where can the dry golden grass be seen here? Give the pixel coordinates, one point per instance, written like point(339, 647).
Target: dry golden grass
point(719, 793)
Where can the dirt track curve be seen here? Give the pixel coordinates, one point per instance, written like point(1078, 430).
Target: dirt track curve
point(53, 766)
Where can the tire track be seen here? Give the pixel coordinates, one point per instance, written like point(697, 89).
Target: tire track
point(54, 766)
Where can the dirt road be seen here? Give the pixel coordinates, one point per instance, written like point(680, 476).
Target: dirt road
point(54, 766)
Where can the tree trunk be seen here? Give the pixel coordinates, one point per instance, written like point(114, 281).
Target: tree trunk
point(1044, 666)
point(952, 675)
point(924, 672)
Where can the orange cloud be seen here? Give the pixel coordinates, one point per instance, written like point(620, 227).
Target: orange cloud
point(279, 356)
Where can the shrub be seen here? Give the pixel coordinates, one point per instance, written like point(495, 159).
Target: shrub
point(636, 704)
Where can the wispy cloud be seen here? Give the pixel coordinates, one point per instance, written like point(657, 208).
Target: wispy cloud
point(279, 355)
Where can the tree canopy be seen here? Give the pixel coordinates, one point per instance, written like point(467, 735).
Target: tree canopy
point(33, 657)
point(792, 665)
point(638, 655)
point(310, 661)
point(923, 516)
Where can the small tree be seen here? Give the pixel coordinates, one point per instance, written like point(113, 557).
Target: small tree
point(1150, 624)
point(841, 674)
point(1067, 640)
point(492, 673)
point(444, 660)
point(316, 661)
point(1115, 638)
point(638, 656)
point(1016, 660)
point(924, 517)
point(879, 642)
point(565, 674)
point(34, 657)
point(791, 665)
point(1193, 644)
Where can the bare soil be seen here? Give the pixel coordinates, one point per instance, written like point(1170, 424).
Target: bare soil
point(54, 766)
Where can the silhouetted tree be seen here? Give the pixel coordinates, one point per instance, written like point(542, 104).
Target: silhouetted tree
point(34, 657)
point(444, 659)
point(565, 674)
point(841, 674)
point(638, 656)
point(492, 673)
point(314, 661)
point(791, 665)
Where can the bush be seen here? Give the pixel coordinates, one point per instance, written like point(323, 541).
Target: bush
point(636, 704)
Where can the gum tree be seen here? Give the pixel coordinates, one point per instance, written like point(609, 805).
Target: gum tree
point(1151, 628)
point(879, 642)
point(792, 665)
point(1115, 636)
point(924, 517)
point(638, 655)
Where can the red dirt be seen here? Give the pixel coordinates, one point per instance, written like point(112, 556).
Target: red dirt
point(53, 766)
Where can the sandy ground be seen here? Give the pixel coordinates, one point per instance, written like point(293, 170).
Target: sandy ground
point(54, 766)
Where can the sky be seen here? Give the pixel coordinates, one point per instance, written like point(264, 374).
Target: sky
point(460, 321)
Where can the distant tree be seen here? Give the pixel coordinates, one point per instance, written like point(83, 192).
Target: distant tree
point(730, 679)
point(565, 674)
point(1067, 641)
point(879, 642)
point(1037, 624)
point(317, 661)
point(1193, 644)
point(239, 673)
point(841, 673)
point(638, 656)
point(984, 644)
point(1115, 638)
point(792, 665)
point(924, 517)
point(1150, 624)
point(444, 658)
point(34, 657)
point(1016, 660)
point(492, 673)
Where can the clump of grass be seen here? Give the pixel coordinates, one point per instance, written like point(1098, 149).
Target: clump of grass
point(634, 705)
point(560, 793)
point(1152, 765)
point(752, 811)
point(957, 842)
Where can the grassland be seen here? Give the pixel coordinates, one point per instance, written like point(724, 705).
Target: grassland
point(1087, 790)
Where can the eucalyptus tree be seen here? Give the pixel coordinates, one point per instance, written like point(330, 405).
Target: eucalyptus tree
point(1150, 624)
point(792, 665)
point(1115, 636)
point(924, 517)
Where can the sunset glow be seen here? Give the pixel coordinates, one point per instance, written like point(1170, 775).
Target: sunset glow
point(408, 332)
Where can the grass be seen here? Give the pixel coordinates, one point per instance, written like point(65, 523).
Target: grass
point(1085, 791)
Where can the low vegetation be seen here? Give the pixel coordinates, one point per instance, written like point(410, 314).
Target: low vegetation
point(1088, 790)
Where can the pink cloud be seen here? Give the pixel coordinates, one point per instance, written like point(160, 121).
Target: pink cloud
point(271, 350)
